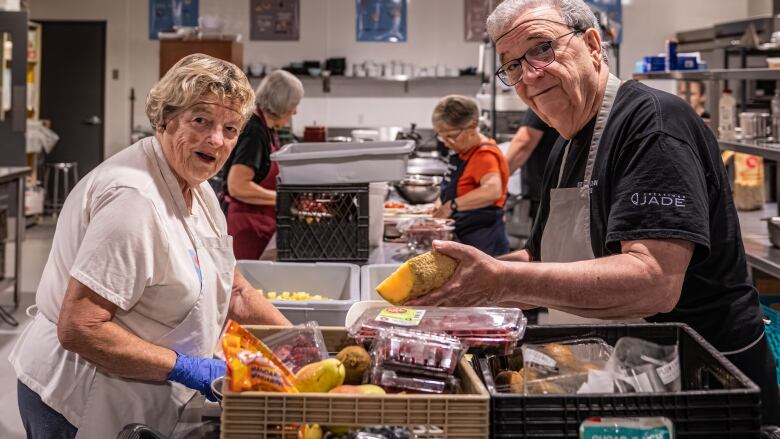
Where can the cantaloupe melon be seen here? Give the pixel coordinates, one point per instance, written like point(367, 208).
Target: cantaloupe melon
point(417, 276)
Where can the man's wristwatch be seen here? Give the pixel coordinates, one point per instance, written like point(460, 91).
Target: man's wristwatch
point(453, 206)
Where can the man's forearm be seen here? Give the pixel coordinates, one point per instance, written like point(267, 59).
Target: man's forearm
point(518, 256)
point(615, 287)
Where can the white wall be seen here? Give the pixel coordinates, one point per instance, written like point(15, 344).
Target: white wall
point(759, 7)
point(435, 36)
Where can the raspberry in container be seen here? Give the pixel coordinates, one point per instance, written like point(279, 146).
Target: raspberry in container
point(298, 345)
point(424, 352)
point(483, 330)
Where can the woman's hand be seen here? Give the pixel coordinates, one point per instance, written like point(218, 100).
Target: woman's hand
point(197, 373)
point(443, 211)
point(478, 280)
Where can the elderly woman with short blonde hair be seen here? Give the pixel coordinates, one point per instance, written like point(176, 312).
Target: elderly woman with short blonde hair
point(141, 275)
point(250, 175)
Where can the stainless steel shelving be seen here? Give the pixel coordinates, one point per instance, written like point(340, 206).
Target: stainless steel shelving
point(713, 75)
point(767, 150)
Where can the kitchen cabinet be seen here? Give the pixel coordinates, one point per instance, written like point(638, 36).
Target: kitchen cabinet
point(171, 51)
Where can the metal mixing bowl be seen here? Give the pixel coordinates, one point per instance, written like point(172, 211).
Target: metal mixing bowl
point(419, 189)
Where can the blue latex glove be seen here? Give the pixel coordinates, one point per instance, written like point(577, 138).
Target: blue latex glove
point(197, 373)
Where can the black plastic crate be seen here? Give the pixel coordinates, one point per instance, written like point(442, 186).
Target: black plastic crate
point(322, 223)
point(717, 400)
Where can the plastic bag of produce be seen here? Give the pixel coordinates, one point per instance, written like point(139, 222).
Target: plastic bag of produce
point(642, 366)
point(572, 366)
point(298, 346)
point(251, 365)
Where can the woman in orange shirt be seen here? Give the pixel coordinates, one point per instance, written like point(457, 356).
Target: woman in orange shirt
point(473, 192)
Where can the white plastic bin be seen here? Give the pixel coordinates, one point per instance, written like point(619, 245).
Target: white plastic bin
point(338, 281)
point(343, 162)
point(372, 275)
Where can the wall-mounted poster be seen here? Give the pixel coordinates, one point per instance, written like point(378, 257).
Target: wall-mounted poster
point(275, 20)
point(610, 15)
point(381, 20)
point(166, 15)
point(475, 14)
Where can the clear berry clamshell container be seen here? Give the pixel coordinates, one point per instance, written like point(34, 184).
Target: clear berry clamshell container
point(396, 381)
point(483, 330)
point(413, 350)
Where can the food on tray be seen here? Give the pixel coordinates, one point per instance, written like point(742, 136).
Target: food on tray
point(320, 377)
point(251, 365)
point(486, 330)
point(296, 295)
point(298, 346)
point(421, 232)
point(417, 276)
point(363, 389)
point(356, 362)
point(395, 205)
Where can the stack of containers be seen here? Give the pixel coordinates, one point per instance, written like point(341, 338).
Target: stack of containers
point(415, 361)
point(323, 196)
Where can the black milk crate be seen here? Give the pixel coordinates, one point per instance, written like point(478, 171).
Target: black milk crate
point(716, 401)
point(322, 223)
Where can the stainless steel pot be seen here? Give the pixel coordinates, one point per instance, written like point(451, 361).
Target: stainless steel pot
point(419, 189)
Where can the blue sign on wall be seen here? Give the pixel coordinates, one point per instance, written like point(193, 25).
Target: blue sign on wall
point(165, 15)
point(610, 15)
point(381, 20)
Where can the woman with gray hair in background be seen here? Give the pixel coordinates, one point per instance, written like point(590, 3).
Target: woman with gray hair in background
point(250, 176)
point(141, 275)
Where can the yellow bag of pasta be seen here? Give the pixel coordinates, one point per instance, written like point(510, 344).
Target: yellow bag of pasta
point(251, 365)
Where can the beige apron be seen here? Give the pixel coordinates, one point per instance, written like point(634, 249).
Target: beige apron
point(566, 236)
point(160, 404)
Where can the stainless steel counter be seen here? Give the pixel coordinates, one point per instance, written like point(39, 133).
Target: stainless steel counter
point(755, 237)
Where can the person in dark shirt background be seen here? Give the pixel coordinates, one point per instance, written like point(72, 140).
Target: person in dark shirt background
point(249, 173)
point(529, 150)
point(698, 93)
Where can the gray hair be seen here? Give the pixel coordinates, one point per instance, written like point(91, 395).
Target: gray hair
point(455, 111)
point(576, 14)
point(279, 93)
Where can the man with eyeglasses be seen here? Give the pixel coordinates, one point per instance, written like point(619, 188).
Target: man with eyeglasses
point(636, 218)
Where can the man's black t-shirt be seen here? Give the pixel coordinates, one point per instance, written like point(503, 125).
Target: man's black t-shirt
point(252, 149)
point(531, 177)
point(658, 175)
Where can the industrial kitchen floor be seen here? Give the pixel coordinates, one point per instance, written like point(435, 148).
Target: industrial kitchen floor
point(35, 252)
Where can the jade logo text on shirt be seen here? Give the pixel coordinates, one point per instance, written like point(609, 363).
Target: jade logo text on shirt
point(657, 199)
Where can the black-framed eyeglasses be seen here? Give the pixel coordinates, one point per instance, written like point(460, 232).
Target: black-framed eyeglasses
point(539, 56)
